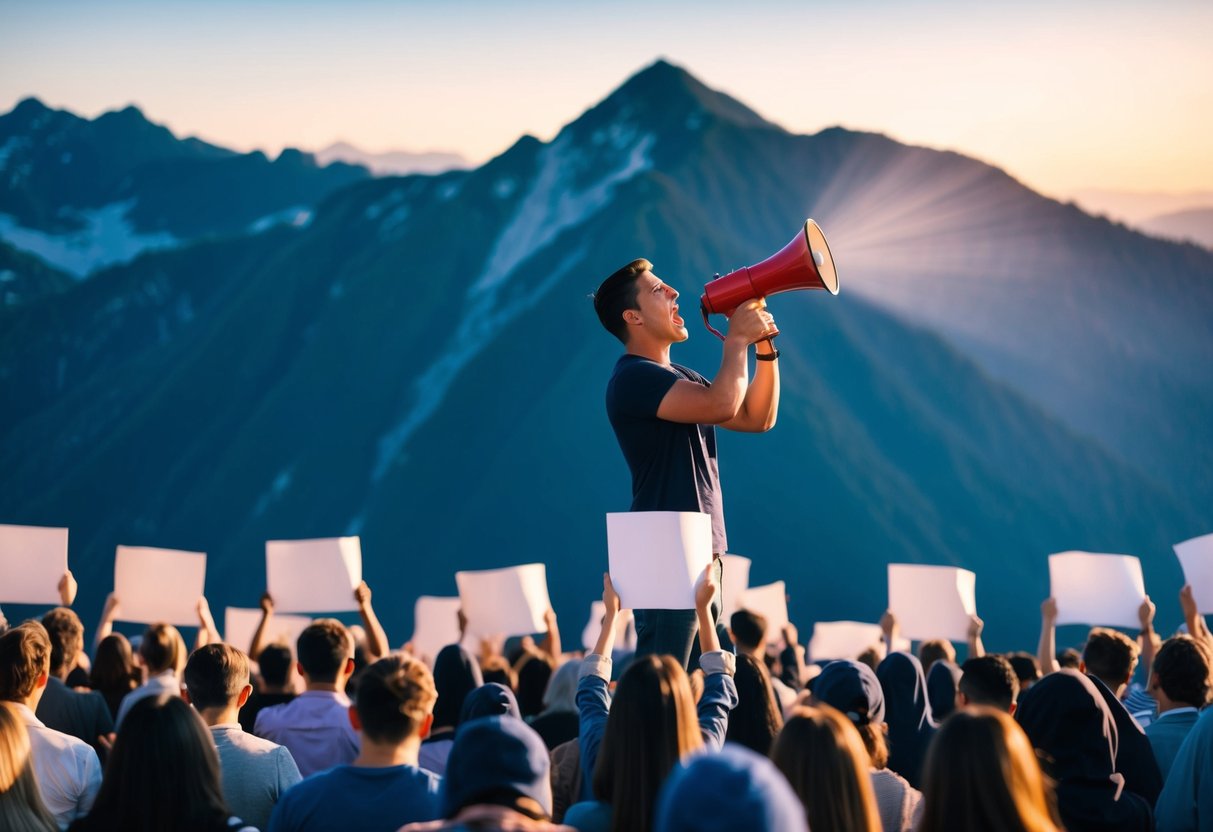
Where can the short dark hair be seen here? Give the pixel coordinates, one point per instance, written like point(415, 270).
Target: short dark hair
point(1182, 667)
point(934, 650)
point(1027, 669)
point(275, 663)
point(395, 695)
point(617, 294)
point(162, 648)
point(749, 628)
point(215, 674)
point(324, 647)
point(25, 654)
point(989, 680)
point(67, 637)
point(1069, 657)
point(1109, 655)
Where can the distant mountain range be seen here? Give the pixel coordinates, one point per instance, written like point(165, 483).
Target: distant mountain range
point(1194, 226)
point(1183, 217)
point(1003, 376)
point(393, 162)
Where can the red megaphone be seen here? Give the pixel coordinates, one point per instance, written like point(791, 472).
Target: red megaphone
point(804, 263)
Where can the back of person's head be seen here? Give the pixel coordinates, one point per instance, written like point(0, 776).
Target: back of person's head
point(935, 650)
point(942, 682)
point(162, 648)
point(989, 680)
point(1027, 668)
point(821, 753)
point(652, 725)
point(871, 657)
point(1182, 670)
point(981, 773)
point(163, 772)
point(456, 674)
point(616, 295)
point(852, 689)
point(756, 720)
point(1110, 656)
point(561, 692)
point(395, 700)
point(749, 629)
point(490, 699)
point(21, 806)
point(274, 663)
point(533, 678)
point(1069, 657)
point(498, 761)
point(215, 675)
point(498, 669)
point(1068, 722)
point(114, 666)
point(325, 649)
point(732, 789)
point(67, 638)
point(25, 655)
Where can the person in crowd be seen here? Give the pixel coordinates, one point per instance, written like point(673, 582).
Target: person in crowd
point(497, 779)
point(852, 689)
point(943, 681)
point(383, 788)
point(630, 743)
point(1182, 683)
point(315, 726)
point(558, 723)
point(1140, 705)
point(496, 668)
point(21, 806)
point(872, 657)
point(114, 673)
point(456, 674)
point(756, 720)
point(1186, 801)
point(821, 753)
point(907, 713)
point(163, 773)
point(66, 769)
point(567, 778)
point(934, 650)
point(1068, 722)
point(981, 773)
point(1026, 667)
point(534, 667)
point(490, 699)
point(255, 773)
point(163, 652)
point(732, 789)
point(276, 669)
point(1069, 657)
point(83, 715)
point(1196, 625)
point(988, 680)
point(748, 630)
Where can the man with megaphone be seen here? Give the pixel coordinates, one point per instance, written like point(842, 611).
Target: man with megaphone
point(665, 416)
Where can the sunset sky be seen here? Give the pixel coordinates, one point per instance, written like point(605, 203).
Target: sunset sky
point(1092, 93)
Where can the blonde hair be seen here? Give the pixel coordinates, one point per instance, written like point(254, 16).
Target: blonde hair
point(21, 806)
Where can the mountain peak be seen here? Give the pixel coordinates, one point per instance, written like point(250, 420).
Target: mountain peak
point(30, 106)
point(666, 86)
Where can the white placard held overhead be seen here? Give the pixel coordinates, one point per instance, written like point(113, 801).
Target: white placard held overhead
point(656, 557)
point(32, 561)
point(508, 601)
point(1096, 589)
point(771, 602)
point(847, 639)
point(435, 625)
point(736, 581)
point(154, 585)
point(625, 634)
point(313, 575)
point(1196, 558)
point(932, 601)
point(240, 625)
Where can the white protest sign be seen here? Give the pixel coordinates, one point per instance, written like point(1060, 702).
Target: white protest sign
point(32, 560)
point(847, 639)
point(313, 575)
point(240, 625)
point(1196, 558)
point(154, 585)
point(656, 556)
point(435, 625)
point(1096, 589)
point(625, 638)
point(736, 579)
point(508, 601)
point(932, 601)
point(771, 602)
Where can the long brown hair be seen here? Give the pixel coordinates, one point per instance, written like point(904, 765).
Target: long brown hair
point(651, 727)
point(823, 757)
point(21, 806)
point(981, 773)
point(756, 720)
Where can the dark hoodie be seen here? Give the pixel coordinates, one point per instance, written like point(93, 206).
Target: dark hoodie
point(491, 699)
point(942, 681)
point(907, 713)
point(456, 674)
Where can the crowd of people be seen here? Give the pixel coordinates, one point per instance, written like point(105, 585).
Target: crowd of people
point(338, 731)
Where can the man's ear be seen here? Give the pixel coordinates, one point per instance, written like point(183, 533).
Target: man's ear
point(632, 317)
point(426, 725)
point(349, 666)
point(1082, 667)
point(185, 695)
point(243, 696)
point(355, 722)
point(299, 669)
point(1011, 710)
point(42, 679)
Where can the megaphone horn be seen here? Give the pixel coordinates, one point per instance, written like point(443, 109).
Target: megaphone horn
point(804, 263)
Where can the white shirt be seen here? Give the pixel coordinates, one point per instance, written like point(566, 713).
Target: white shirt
point(165, 681)
point(67, 770)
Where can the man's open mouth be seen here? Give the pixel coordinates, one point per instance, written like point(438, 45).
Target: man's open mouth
point(675, 317)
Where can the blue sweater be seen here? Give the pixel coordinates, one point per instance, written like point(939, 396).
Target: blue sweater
point(1186, 802)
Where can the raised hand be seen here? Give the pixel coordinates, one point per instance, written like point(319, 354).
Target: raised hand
point(752, 322)
point(610, 598)
point(68, 588)
point(705, 588)
point(1048, 611)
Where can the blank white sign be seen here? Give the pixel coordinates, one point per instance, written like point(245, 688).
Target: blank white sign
point(842, 639)
point(32, 561)
point(656, 557)
point(508, 601)
point(313, 575)
point(155, 585)
point(932, 601)
point(625, 638)
point(736, 580)
point(771, 602)
point(240, 625)
point(1196, 558)
point(1096, 589)
point(435, 625)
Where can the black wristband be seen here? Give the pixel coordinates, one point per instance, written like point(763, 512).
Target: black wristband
point(758, 356)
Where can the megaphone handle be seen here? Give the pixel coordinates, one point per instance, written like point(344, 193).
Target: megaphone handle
point(711, 328)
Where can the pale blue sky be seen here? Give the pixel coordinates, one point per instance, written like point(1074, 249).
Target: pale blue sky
point(1110, 93)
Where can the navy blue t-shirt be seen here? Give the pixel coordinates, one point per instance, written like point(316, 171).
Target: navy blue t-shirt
point(673, 465)
point(357, 797)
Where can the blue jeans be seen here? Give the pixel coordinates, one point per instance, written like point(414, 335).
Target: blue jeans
point(675, 632)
